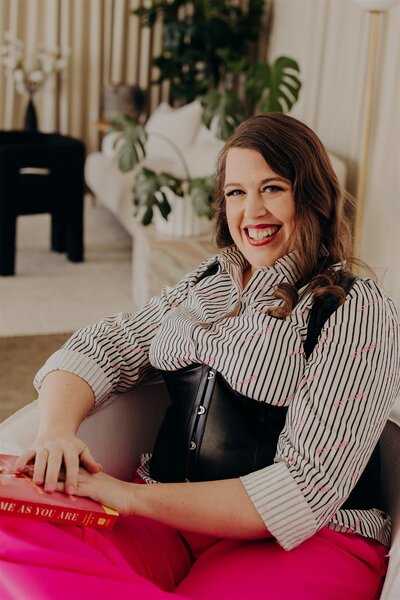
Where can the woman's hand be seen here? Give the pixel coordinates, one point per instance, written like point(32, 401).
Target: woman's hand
point(51, 452)
point(64, 401)
point(105, 489)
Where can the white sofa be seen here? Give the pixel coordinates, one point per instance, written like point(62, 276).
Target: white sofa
point(172, 133)
point(124, 427)
point(183, 127)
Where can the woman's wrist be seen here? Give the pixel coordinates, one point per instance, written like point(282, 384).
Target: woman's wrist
point(130, 492)
point(112, 492)
point(55, 430)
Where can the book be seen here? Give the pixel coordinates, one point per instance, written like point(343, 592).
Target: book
point(20, 497)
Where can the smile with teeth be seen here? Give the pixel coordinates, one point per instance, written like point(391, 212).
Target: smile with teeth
point(261, 233)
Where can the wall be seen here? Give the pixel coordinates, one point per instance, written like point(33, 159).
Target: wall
point(330, 38)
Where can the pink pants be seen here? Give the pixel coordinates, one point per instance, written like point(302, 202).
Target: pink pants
point(141, 559)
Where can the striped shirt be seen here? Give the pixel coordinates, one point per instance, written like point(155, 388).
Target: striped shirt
point(338, 400)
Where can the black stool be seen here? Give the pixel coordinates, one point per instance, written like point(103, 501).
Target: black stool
point(41, 173)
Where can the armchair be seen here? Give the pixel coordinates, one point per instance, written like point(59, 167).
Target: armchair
point(126, 425)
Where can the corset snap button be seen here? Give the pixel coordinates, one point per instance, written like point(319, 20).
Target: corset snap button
point(192, 446)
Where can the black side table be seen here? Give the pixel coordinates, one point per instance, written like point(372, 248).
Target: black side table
point(41, 173)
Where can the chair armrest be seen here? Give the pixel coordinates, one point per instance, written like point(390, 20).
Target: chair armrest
point(116, 433)
point(120, 430)
point(390, 452)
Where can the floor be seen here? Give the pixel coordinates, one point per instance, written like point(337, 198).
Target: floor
point(20, 359)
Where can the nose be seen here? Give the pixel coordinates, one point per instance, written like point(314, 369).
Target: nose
point(254, 205)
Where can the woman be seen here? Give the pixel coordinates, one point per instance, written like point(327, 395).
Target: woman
point(284, 530)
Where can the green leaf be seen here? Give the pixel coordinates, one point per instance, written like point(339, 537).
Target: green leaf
point(275, 87)
point(258, 79)
point(163, 205)
point(223, 111)
point(201, 191)
point(148, 193)
point(168, 180)
point(131, 142)
point(126, 158)
point(147, 216)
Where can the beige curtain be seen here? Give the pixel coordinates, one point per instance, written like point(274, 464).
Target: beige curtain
point(330, 39)
point(107, 47)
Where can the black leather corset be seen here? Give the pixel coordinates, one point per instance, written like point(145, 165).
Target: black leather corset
point(212, 432)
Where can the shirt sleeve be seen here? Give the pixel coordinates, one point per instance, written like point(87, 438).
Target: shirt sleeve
point(334, 420)
point(113, 355)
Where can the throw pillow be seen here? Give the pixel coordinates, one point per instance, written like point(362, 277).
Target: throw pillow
point(200, 159)
point(107, 144)
point(179, 125)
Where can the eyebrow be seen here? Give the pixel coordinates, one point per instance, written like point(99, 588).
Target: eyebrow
point(267, 180)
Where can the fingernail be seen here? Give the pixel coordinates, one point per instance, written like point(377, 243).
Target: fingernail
point(50, 487)
point(38, 480)
point(70, 490)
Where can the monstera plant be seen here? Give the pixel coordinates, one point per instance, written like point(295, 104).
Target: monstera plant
point(150, 188)
point(270, 88)
point(207, 46)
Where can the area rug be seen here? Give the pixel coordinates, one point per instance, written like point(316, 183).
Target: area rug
point(20, 358)
point(49, 294)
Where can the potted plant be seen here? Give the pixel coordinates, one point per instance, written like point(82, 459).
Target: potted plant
point(159, 189)
point(206, 48)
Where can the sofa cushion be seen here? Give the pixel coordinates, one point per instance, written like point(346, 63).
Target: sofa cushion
point(200, 159)
point(109, 144)
point(179, 125)
point(205, 136)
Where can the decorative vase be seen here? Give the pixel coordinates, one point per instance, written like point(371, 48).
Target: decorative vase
point(122, 99)
point(31, 122)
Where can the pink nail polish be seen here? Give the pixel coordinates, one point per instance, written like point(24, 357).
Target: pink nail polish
point(70, 490)
point(50, 487)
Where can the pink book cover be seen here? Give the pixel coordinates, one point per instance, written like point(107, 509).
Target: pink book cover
point(20, 497)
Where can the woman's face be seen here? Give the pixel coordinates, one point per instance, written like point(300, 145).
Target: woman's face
point(260, 207)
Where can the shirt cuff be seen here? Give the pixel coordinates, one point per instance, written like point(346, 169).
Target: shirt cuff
point(281, 505)
point(78, 364)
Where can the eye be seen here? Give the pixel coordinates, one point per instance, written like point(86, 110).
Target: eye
point(272, 189)
point(235, 192)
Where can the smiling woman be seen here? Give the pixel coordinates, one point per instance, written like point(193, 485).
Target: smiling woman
point(235, 333)
point(275, 175)
point(260, 208)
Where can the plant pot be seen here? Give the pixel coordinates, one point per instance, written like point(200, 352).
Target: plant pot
point(182, 220)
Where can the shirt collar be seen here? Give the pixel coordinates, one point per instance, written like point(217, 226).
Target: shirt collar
point(232, 257)
point(285, 268)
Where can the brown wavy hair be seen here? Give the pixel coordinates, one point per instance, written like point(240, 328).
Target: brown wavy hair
point(322, 235)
